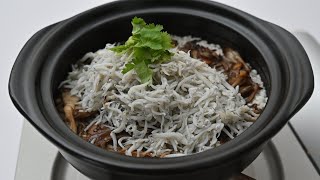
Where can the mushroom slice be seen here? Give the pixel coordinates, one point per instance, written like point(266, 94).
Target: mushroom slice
point(69, 108)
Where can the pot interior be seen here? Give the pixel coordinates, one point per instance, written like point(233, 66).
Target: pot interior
point(92, 38)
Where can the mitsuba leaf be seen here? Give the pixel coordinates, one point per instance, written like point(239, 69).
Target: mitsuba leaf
point(119, 49)
point(143, 72)
point(137, 24)
point(148, 44)
point(166, 40)
point(128, 67)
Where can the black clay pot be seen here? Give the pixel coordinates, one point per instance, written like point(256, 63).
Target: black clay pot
point(46, 58)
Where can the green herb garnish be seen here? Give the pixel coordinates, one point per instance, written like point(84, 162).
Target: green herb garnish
point(147, 45)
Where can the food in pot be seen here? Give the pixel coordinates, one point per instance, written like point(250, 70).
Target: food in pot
point(161, 96)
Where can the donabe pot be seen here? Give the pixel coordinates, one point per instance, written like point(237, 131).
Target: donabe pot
point(46, 59)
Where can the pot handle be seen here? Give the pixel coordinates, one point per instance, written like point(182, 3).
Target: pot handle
point(16, 90)
point(304, 79)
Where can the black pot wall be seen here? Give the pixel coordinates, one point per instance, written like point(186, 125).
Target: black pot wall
point(215, 173)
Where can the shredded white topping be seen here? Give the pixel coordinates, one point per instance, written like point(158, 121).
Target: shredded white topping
point(261, 97)
point(183, 40)
point(184, 111)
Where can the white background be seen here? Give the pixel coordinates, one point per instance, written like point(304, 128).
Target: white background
point(21, 19)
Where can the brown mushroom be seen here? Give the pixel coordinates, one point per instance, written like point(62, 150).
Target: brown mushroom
point(69, 107)
point(256, 88)
point(235, 57)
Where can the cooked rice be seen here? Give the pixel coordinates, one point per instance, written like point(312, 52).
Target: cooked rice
point(184, 111)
